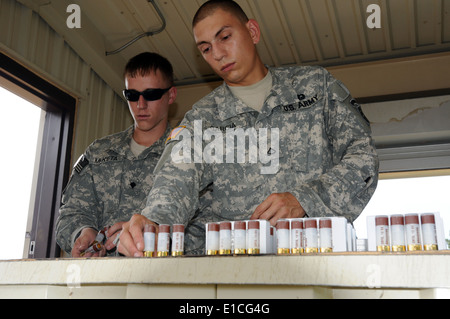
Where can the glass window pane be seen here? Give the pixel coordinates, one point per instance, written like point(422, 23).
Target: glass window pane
point(408, 195)
point(19, 130)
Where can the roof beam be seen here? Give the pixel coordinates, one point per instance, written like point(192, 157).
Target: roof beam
point(86, 41)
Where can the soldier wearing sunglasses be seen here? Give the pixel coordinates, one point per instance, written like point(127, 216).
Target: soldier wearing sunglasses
point(111, 180)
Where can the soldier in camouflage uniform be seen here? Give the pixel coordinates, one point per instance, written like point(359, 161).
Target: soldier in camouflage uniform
point(327, 162)
point(112, 179)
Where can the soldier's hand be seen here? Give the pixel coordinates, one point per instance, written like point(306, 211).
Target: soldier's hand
point(279, 205)
point(83, 241)
point(131, 242)
point(112, 234)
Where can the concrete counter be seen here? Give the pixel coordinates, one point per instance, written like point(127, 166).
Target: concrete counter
point(331, 275)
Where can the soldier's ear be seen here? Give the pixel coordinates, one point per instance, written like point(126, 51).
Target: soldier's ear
point(172, 94)
point(254, 30)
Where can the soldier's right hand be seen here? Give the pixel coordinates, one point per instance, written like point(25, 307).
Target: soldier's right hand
point(131, 242)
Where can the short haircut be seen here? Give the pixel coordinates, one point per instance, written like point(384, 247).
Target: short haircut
point(209, 7)
point(145, 63)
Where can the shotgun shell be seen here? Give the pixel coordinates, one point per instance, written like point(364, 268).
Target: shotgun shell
point(149, 240)
point(311, 238)
point(240, 237)
point(253, 237)
point(398, 233)
point(413, 232)
point(273, 241)
point(283, 230)
point(325, 235)
point(95, 247)
point(97, 244)
point(429, 235)
point(225, 238)
point(163, 241)
point(297, 236)
point(382, 233)
point(212, 240)
point(177, 240)
point(101, 235)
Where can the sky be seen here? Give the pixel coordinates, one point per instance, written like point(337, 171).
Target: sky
point(19, 125)
point(408, 195)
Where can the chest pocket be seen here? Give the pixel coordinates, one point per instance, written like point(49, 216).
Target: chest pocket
point(295, 131)
point(297, 123)
point(107, 178)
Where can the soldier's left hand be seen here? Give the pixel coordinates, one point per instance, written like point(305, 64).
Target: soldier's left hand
point(82, 243)
point(277, 206)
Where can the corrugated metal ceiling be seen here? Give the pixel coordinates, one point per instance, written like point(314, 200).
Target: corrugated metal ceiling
point(323, 32)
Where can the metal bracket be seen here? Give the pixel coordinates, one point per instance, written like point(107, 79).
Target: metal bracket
point(146, 34)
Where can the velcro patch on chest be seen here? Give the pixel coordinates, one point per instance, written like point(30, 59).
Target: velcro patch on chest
point(81, 164)
point(305, 102)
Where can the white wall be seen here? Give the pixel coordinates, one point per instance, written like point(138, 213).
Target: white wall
point(28, 39)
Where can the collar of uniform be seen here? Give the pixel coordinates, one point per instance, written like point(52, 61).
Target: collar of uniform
point(228, 104)
point(282, 93)
point(158, 146)
point(123, 144)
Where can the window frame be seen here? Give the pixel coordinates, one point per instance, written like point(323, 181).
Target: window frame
point(412, 157)
point(54, 165)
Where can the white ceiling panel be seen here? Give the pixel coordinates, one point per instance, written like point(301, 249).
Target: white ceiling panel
point(295, 32)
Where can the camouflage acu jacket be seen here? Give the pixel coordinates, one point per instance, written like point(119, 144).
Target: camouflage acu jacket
point(108, 184)
point(326, 156)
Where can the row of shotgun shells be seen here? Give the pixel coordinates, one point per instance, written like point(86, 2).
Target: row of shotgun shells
point(163, 244)
point(404, 232)
point(237, 237)
point(289, 236)
point(301, 235)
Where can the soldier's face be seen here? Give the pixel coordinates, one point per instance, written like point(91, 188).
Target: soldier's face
point(149, 114)
point(228, 45)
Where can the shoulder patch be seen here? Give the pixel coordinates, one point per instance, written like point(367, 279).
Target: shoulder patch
point(175, 133)
point(81, 164)
point(339, 92)
point(358, 107)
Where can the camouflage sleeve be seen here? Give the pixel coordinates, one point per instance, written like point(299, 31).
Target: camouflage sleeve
point(347, 187)
point(174, 197)
point(79, 207)
point(194, 237)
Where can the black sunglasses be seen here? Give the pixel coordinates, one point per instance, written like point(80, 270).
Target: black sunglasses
point(149, 94)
